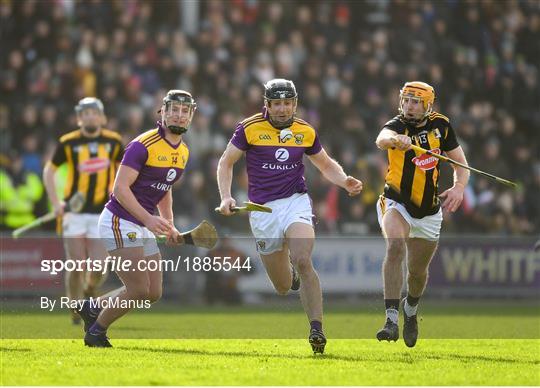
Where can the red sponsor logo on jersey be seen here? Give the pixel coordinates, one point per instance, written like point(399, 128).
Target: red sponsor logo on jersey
point(427, 162)
point(93, 165)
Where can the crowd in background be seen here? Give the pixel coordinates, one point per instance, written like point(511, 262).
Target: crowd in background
point(348, 60)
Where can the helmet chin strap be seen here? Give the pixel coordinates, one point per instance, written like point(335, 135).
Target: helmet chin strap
point(414, 121)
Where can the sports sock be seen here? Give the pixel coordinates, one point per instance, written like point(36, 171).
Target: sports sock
point(94, 308)
point(316, 325)
point(413, 301)
point(393, 315)
point(97, 329)
point(411, 305)
point(91, 307)
point(392, 309)
point(391, 304)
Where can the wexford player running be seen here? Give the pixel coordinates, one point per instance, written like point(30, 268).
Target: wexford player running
point(275, 142)
point(92, 154)
point(152, 163)
point(409, 211)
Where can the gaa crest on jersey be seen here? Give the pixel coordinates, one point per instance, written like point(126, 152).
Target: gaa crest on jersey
point(132, 236)
point(285, 135)
point(427, 162)
point(299, 138)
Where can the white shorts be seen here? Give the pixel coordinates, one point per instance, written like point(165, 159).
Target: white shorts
point(269, 228)
point(116, 232)
point(427, 228)
point(80, 224)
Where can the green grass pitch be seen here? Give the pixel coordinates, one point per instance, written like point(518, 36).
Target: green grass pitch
point(458, 346)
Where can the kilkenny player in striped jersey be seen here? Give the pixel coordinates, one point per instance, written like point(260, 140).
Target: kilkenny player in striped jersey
point(92, 154)
point(409, 210)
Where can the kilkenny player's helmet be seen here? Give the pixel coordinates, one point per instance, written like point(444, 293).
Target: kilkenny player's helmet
point(279, 88)
point(421, 91)
point(89, 103)
point(181, 97)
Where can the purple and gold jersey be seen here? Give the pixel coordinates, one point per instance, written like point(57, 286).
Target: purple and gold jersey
point(159, 164)
point(274, 166)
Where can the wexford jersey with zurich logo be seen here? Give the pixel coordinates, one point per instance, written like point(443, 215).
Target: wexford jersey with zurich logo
point(274, 164)
point(159, 164)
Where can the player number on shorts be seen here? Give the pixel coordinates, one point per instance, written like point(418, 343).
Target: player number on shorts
point(226, 263)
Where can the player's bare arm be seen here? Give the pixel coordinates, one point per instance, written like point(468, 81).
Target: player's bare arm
point(122, 191)
point(224, 176)
point(453, 197)
point(333, 171)
point(50, 186)
point(166, 211)
point(389, 139)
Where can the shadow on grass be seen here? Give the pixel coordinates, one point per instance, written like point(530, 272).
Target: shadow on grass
point(2, 349)
point(133, 328)
point(406, 358)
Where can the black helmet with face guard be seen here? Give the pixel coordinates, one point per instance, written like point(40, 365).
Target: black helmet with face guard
point(279, 88)
point(181, 97)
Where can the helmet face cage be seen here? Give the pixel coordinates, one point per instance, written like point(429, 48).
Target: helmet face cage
point(169, 107)
point(90, 103)
point(280, 89)
point(175, 98)
point(180, 96)
point(419, 91)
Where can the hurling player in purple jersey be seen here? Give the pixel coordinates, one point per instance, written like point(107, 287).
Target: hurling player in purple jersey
point(152, 163)
point(274, 143)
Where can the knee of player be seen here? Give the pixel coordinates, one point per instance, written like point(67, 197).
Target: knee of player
point(395, 249)
point(139, 293)
point(282, 290)
point(418, 272)
point(155, 295)
point(303, 263)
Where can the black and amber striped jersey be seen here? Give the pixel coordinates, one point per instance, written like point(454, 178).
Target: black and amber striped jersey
point(412, 178)
point(91, 166)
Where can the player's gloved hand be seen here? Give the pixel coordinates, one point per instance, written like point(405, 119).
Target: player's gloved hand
point(452, 197)
point(59, 208)
point(158, 225)
point(402, 142)
point(226, 205)
point(353, 186)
